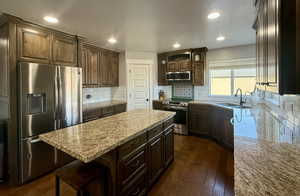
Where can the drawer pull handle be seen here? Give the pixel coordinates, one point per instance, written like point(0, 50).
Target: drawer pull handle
point(136, 164)
point(136, 192)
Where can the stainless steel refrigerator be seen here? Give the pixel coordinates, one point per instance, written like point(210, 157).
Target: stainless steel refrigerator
point(50, 98)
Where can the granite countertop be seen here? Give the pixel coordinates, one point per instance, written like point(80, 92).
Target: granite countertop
point(266, 151)
point(101, 104)
point(90, 140)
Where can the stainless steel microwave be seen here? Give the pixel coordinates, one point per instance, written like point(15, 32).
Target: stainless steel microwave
point(178, 76)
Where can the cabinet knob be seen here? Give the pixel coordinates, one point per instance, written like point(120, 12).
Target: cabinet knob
point(232, 121)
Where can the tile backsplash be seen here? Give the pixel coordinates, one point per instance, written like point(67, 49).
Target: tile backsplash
point(96, 95)
point(185, 90)
point(166, 89)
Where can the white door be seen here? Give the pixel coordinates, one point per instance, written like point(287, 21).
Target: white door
point(139, 86)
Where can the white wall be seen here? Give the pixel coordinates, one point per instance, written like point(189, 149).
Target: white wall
point(237, 52)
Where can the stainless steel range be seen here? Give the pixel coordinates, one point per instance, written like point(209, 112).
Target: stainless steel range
point(180, 106)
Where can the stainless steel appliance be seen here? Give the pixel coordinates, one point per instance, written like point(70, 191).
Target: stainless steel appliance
point(181, 117)
point(178, 76)
point(50, 98)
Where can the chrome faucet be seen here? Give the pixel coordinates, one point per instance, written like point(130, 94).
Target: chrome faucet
point(241, 96)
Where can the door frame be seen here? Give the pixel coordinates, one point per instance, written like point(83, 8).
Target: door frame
point(130, 63)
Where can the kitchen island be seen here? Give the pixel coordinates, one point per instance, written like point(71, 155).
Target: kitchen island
point(139, 142)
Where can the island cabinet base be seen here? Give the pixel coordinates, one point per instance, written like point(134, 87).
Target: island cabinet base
point(142, 160)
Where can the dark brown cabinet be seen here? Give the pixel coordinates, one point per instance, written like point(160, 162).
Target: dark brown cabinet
point(193, 60)
point(64, 49)
point(4, 61)
point(199, 62)
point(34, 44)
point(156, 158)
point(97, 113)
point(90, 65)
point(277, 33)
point(169, 146)
point(143, 159)
point(162, 69)
point(100, 67)
point(157, 105)
point(200, 119)
point(212, 121)
point(41, 45)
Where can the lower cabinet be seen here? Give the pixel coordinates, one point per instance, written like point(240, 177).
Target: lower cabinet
point(169, 146)
point(212, 121)
point(143, 159)
point(103, 112)
point(156, 158)
point(200, 121)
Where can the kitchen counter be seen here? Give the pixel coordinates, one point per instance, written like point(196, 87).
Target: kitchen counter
point(102, 104)
point(90, 140)
point(266, 151)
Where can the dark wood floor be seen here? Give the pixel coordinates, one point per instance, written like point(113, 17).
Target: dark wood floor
point(201, 168)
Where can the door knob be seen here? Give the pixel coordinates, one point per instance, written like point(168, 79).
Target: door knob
point(147, 99)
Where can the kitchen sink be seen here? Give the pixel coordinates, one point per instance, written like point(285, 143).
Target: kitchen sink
point(232, 105)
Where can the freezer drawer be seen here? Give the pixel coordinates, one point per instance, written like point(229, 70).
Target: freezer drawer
point(37, 158)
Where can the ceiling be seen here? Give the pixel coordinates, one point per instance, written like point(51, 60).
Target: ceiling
point(144, 25)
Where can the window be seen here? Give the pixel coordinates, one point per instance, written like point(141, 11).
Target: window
point(225, 80)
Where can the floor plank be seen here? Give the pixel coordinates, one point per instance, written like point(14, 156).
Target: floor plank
point(201, 168)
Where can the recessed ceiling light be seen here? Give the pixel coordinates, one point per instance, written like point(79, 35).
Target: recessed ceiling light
point(51, 19)
point(213, 15)
point(220, 38)
point(176, 45)
point(112, 40)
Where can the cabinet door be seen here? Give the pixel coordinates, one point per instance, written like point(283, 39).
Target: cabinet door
point(4, 61)
point(156, 158)
point(162, 69)
point(84, 65)
point(272, 33)
point(261, 45)
point(199, 119)
point(64, 49)
point(93, 65)
point(105, 68)
point(34, 44)
point(228, 129)
point(198, 68)
point(185, 66)
point(169, 146)
point(115, 69)
point(172, 66)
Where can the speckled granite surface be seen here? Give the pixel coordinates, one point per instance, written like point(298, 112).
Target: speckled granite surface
point(102, 104)
point(90, 140)
point(266, 151)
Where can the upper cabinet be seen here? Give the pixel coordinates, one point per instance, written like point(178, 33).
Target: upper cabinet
point(192, 60)
point(162, 69)
point(4, 61)
point(277, 36)
point(100, 67)
point(64, 49)
point(34, 44)
point(41, 45)
point(199, 62)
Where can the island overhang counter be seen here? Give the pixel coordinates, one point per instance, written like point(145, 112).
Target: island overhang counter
point(117, 141)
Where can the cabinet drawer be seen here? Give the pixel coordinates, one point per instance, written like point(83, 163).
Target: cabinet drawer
point(132, 145)
point(119, 108)
point(168, 123)
point(129, 167)
point(108, 111)
point(138, 186)
point(155, 131)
